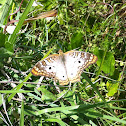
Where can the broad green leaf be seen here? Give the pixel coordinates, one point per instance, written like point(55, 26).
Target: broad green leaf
point(5, 53)
point(46, 95)
point(105, 61)
point(112, 88)
point(76, 40)
point(116, 75)
point(9, 46)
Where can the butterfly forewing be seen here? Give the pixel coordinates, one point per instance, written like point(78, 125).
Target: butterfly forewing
point(76, 62)
point(53, 67)
point(46, 67)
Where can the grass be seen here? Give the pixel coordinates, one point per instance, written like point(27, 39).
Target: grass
point(89, 26)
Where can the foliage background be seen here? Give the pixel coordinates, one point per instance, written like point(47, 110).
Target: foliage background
point(90, 26)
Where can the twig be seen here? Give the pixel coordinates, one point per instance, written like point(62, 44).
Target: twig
point(2, 118)
point(39, 82)
point(57, 88)
point(112, 10)
point(101, 76)
point(120, 61)
point(17, 71)
point(123, 71)
point(88, 100)
point(93, 83)
point(4, 106)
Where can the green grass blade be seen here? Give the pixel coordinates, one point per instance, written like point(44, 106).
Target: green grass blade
point(11, 43)
point(56, 120)
point(22, 114)
point(14, 91)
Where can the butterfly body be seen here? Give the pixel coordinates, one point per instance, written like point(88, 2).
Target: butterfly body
point(64, 67)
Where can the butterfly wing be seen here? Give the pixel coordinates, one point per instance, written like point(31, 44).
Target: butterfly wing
point(76, 62)
point(64, 67)
point(46, 67)
point(52, 67)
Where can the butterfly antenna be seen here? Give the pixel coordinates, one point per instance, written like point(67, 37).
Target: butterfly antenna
point(59, 45)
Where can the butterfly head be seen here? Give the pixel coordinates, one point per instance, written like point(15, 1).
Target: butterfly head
point(60, 52)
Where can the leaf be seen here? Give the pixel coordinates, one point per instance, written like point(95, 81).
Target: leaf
point(76, 40)
point(4, 53)
point(56, 120)
point(112, 88)
point(9, 46)
point(2, 1)
point(84, 3)
point(4, 10)
point(116, 75)
point(46, 95)
point(51, 13)
point(2, 39)
point(105, 62)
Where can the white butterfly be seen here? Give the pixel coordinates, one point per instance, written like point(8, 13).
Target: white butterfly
point(64, 67)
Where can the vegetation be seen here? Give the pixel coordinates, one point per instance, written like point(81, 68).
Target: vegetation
point(90, 26)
